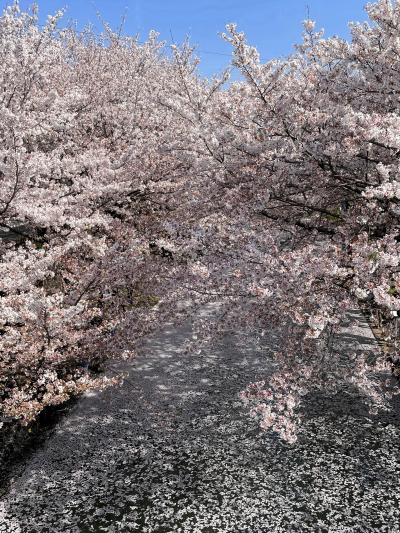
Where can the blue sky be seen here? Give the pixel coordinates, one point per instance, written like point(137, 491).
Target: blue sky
point(271, 25)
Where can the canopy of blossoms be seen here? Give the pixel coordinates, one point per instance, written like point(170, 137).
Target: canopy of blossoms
point(133, 192)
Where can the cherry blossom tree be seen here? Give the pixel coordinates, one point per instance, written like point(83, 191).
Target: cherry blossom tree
point(303, 159)
point(130, 185)
point(87, 182)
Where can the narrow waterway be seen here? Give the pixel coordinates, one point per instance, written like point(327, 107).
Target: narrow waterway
point(173, 450)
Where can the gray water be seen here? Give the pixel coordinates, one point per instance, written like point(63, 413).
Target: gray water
point(173, 450)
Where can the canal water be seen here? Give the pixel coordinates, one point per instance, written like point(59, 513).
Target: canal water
point(173, 450)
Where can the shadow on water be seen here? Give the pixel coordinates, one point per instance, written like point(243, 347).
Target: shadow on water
point(18, 443)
